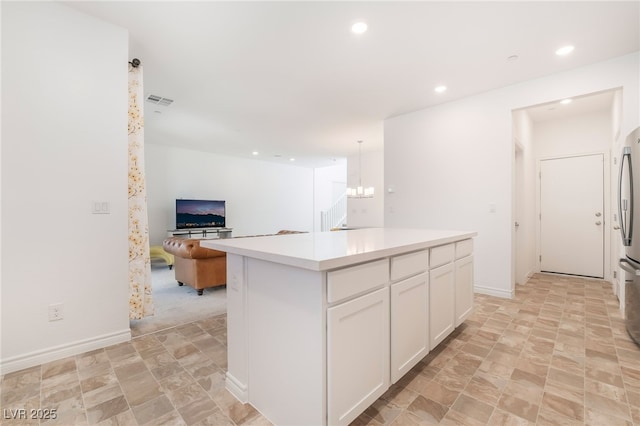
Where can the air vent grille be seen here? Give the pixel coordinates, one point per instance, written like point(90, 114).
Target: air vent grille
point(159, 100)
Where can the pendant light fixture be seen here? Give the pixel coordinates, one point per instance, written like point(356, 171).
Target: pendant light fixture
point(360, 191)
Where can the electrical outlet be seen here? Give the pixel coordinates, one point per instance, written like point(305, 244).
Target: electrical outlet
point(235, 281)
point(56, 311)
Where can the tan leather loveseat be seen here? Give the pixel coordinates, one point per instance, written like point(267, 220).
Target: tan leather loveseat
point(197, 266)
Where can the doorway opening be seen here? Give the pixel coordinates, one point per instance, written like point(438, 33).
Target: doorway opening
point(552, 139)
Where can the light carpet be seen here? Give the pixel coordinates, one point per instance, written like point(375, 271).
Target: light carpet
point(177, 305)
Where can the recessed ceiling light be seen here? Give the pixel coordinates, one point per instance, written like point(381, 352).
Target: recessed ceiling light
point(565, 50)
point(292, 159)
point(565, 101)
point(255, 153)
point(359, 28)
point(440, 89)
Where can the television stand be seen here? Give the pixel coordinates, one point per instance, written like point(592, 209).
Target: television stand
point(200, 233)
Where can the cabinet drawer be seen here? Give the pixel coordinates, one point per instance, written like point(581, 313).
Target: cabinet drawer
point(441, 255)
point(464, 248)
point(410, 264)
point(347, 282)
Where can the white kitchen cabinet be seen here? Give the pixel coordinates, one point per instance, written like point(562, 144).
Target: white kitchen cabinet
point(464, 288)
point(312, 313)
point(409, 323)
point(357, 355)
point(441, 303)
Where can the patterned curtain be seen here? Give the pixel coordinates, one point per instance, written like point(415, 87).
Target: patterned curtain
point(140, 301)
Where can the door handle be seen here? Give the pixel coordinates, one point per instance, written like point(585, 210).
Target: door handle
point(626, 222)
point(598, 223)
point(629, 268)
point(598, 214)
point(616, 227)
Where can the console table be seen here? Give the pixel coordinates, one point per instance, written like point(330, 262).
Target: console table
point(321, 324)
point(200, 233)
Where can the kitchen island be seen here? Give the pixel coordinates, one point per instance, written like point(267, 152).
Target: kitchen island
point(319, 325)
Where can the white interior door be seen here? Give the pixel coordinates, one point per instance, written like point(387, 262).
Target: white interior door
point(572, 215)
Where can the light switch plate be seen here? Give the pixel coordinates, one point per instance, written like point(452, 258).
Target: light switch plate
point(100, 207)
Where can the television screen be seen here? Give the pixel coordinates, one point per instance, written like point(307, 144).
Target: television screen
point(200, 214)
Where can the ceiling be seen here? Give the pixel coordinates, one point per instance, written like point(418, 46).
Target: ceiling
point(290, 80)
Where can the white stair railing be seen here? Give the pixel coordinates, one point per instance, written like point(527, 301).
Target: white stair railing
point(335, 216)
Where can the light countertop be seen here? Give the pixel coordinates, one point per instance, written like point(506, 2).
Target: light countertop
point(321, 251)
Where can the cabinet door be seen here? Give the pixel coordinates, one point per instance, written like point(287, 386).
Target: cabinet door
point(441, 303)
point(409, 324)
point(464, 288)
point(357, 355)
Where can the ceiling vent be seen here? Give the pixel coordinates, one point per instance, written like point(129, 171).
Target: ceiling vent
point(159, 100)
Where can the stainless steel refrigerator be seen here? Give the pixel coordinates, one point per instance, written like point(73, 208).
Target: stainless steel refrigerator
point(629, 219)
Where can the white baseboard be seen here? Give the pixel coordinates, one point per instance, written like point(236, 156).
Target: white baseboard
point(54, 353)
point(494, 292)
point(237, 389)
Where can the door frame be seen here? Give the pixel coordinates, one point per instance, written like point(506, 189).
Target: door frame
point(519, 275)
point(608, 219)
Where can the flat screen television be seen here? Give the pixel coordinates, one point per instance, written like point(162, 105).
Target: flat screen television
point(192, 214)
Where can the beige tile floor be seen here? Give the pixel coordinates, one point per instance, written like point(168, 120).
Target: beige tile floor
point(557, 353)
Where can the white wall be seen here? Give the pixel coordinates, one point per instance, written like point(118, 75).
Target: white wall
point(366, 212)
point(64, 144)
point(261, 197)
point(451, 164)
point(578, 134)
